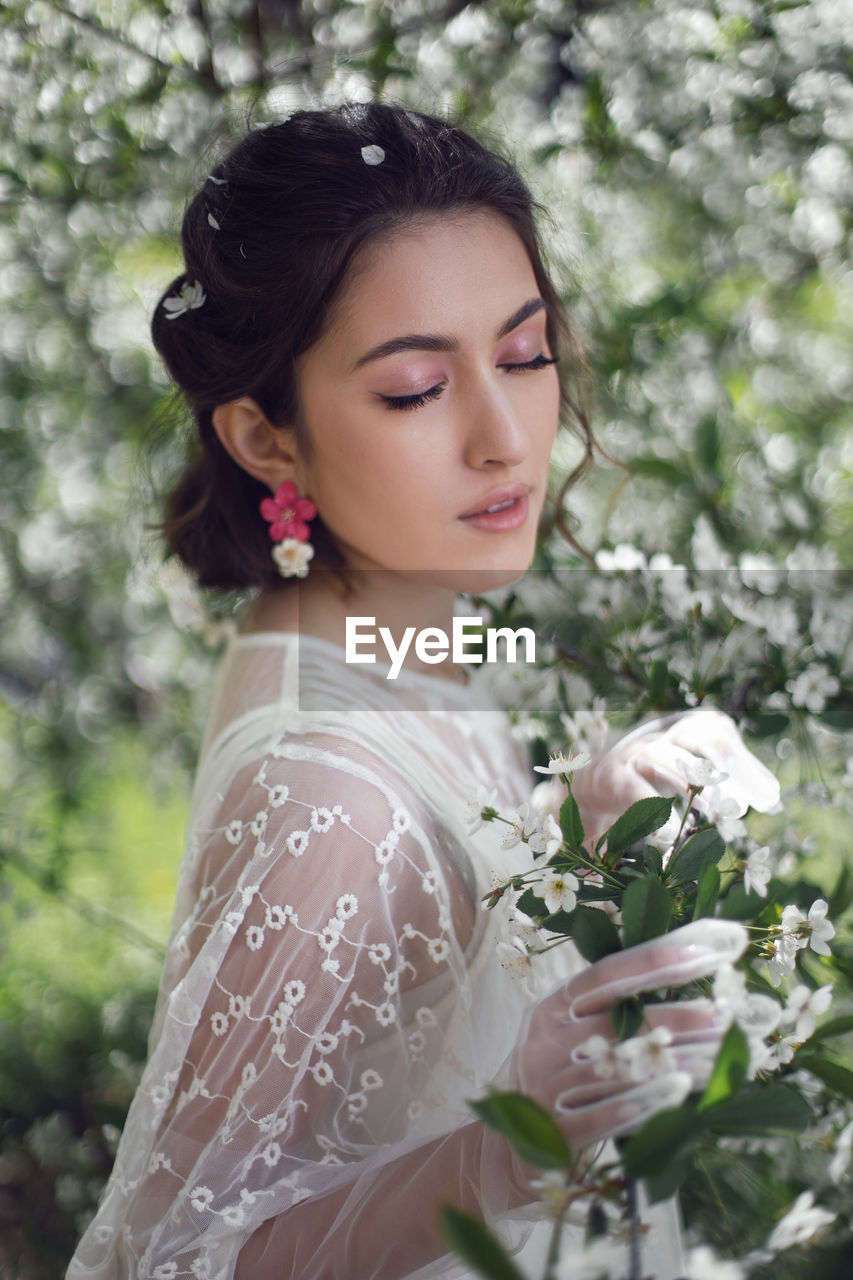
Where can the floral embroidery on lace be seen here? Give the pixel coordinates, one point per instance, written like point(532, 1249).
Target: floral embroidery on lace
point(328, 964)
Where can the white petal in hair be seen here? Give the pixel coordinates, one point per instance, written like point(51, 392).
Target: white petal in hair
point(189, 298)
point(372, 154)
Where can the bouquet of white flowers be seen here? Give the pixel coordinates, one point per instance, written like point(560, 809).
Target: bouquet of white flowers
point(607, 876)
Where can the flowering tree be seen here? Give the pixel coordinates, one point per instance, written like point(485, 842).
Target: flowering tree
point(637, 635)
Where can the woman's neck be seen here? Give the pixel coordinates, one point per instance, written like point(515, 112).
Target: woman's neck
point(318, 606)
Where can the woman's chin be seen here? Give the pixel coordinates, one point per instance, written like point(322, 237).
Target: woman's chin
point(477, 581)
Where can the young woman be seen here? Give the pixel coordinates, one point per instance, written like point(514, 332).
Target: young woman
point(377, 362)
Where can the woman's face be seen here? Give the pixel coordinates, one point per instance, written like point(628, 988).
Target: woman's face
point(429, 399)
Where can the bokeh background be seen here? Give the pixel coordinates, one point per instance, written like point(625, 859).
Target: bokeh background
point(695, 158)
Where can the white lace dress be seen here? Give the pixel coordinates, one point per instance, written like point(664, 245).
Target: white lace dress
point(332, 996)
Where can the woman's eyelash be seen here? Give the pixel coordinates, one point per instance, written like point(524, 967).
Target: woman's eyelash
point(432, 393)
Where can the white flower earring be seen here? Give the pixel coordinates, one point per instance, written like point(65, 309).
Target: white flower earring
point(287, 514)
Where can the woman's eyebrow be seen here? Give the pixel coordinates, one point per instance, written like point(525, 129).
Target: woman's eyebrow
point(439, 342)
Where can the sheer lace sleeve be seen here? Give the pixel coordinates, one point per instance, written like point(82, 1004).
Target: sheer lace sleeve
point(321, 1034)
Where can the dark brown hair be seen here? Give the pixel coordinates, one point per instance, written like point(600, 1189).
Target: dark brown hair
point(270, 239)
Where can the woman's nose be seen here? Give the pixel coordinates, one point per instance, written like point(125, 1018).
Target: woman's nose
point(496, 431)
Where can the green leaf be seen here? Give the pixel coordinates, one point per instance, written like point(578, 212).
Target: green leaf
point(640, 820)
point(730, 1068)
point(594, 933)
point(767, 724)
point(659, 468)
point(707, 444)
point(535, 1135)
point(704, 849)
point(835, 1027)
point(708, 892)
point(531, 905)
point(653, 859)
point(664, 1138)
point(832, 1073)
point(762, 1109)
point(646, 910)
point(658, 676)
point(842, 895)
point(626, 1017)
point(560, 922)
point(596, 893)
point(740, 905)
point(477, 1246)
point(838, 712)
point(570, 822)
point(664, 1185)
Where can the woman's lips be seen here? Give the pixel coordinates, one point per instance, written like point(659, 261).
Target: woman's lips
point(510, 515)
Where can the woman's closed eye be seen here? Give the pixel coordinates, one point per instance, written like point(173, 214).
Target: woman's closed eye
point(432, 393)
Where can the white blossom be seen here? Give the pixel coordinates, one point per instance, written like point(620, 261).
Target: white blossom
point(559, 890)
point(588, 725)
point(700, 773)
point(515, 957)
point(703, 1264)
point(758, 870)
point(189, 298)
point(548, 839)
point(820, 929)
point(623, 556)
point(800, 1223)
point(757, 1015)
point(812, 687)
point(803, 1006)
point(552, 1190)
point(647, 1056)
point(718, 808)
point(600, 1052)
point(731, 828)
point(783, 958)
point(840, 1162)
point(636, 1059)
point(484, 799)
point(801, 1009)
point(521, 827)
point(565, 763)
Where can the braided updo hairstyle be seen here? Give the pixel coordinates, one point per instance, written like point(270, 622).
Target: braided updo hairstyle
point(268, 242)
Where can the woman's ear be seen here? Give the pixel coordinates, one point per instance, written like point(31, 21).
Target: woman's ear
point(264, 451)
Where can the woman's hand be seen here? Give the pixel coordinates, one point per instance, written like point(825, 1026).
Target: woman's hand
point(568, 1057)
point(648, 761)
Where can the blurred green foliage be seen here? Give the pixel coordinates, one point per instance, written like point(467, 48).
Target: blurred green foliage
point(695, 160)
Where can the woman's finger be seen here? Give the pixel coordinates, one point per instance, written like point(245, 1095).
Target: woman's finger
point(714, 735)
point(658, 762)
point(687, 1021)
point(625, 1112)
point(693, 951)
point(610, 1076)
point(690, 1021)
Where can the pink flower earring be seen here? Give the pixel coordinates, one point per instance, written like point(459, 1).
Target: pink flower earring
point(287, 514)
